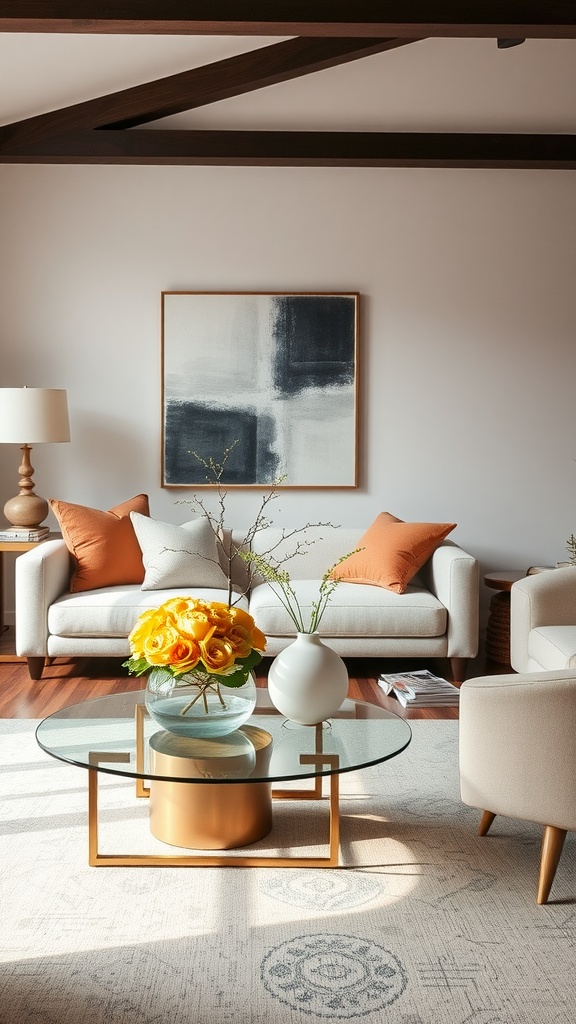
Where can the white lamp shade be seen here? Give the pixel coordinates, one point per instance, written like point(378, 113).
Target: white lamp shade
point(33, 415)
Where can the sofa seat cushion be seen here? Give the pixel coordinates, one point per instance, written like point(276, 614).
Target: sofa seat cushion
point(354, 610)
point(113, 611)
point(553, 647)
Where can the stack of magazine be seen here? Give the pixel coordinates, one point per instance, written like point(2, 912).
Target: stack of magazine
point(23, 533)
point(421, 689)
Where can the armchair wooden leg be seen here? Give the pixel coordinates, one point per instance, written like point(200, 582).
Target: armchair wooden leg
point(552, 843)
point(487, 819)
point(35, 667)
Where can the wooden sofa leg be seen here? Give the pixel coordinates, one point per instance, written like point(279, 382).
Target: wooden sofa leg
point(552, 843)
point(458, 668)
point(36, 667)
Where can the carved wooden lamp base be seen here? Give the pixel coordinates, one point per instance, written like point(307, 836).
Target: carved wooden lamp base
point(27, 510)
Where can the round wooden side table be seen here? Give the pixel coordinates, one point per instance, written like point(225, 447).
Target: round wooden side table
point(498, 628)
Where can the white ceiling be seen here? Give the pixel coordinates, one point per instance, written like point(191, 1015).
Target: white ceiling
point(432, 85)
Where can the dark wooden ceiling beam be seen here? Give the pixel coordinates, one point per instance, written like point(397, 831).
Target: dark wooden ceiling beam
point(220, 80)
point(407, 18)
point(302, 149)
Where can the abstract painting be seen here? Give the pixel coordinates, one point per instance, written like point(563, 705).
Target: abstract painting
point(272, 375)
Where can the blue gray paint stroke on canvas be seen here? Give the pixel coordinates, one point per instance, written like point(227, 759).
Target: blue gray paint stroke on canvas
point(277, 373)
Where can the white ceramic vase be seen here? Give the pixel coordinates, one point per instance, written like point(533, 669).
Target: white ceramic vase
point(307, 681)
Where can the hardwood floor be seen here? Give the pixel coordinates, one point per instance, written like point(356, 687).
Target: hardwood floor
point(66, 682)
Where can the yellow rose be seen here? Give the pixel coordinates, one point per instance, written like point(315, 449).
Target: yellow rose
point(185, 655)
point(258, 640)
point(217, 654)
point(177, 605)
point(194, 624)
point(244, 619)
point(160, 644)
point(147, 622)
point(241, 618)
point(240, 641)
point(221, 617)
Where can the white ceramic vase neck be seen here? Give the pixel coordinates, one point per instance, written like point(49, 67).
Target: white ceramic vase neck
point(307, 681)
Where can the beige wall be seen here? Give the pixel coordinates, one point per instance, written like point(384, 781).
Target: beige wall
point(468, 356)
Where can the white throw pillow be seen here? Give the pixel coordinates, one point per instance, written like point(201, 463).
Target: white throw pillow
point(178, 556)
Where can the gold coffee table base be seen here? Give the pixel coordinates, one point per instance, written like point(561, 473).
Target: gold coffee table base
point(175, 802)
point(222, 816)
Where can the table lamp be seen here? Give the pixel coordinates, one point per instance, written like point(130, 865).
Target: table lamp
point(32, 416)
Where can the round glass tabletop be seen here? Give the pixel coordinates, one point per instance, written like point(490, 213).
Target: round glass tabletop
point(85, 734)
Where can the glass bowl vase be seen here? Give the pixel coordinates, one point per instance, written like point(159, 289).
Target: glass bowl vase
point(198, 703)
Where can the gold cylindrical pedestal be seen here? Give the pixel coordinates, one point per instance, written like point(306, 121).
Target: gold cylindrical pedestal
point(201, 815)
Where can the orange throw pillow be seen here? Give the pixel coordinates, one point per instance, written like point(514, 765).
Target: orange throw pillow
point(103, 545)
point(392, 552)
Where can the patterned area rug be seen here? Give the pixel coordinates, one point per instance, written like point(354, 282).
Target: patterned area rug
point(425, 922)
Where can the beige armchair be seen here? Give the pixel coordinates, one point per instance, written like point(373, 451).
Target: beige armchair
point(518, 755)
point(543, 621)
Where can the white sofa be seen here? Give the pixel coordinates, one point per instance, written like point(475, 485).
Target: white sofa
point(543, 621)
point(437, 616)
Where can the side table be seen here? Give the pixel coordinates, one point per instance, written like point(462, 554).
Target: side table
point(16, 547)
point(498, 629)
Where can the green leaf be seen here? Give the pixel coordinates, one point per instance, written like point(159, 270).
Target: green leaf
point(137, 666)
point(244, 667)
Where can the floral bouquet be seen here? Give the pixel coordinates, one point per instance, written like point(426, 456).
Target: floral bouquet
point(207, 640)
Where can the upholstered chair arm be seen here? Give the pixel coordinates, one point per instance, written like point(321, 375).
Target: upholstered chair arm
point(518, 746)
point(452, 576)
point(544, 599)
point(42, 574)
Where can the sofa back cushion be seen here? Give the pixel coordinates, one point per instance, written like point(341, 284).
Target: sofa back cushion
point(102, 545)
point(391, 552)
point(178, 556)
point(319, 548)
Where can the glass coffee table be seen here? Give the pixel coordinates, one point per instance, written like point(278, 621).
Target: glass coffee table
point(217, 794)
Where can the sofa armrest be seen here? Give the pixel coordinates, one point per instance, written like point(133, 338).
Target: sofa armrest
point(42, 574)
point(451, 574)
point(544, 599)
